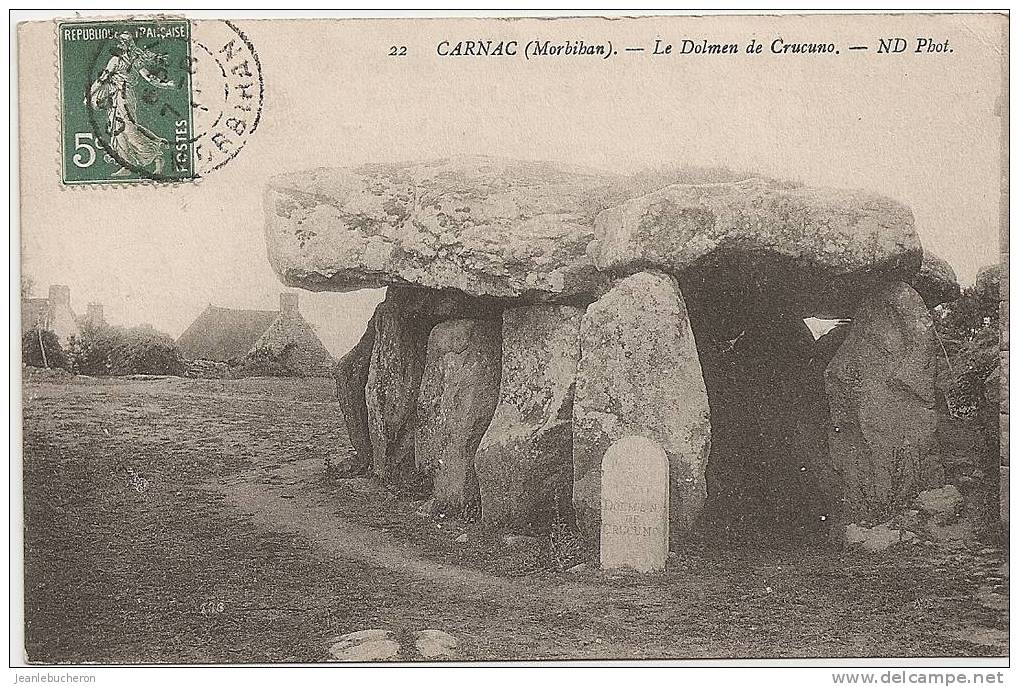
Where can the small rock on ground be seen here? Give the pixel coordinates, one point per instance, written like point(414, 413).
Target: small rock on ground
point(877, 538)
point(943, 505)
point(363, 646)
point(435, 644)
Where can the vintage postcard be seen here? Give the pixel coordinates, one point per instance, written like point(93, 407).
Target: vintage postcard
point(469, 340)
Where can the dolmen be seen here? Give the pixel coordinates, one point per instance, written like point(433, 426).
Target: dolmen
point(540, 316)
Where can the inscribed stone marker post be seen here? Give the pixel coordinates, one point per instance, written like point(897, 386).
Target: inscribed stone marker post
point(635, 505)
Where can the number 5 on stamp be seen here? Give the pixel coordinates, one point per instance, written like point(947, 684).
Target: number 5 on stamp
point(126, 101)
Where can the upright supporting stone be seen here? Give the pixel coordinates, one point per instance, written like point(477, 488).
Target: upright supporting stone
point(459, 391)
point(524, 462)
point(639, 374)
point(394, 378)
point(351, 375)
point(881, 394)
point(635, 505)
point(402, 324)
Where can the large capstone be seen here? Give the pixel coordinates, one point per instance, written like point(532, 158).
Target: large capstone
point(639, 374)
point(525, 459)
point(881, 394)
point(485, 226)
point(459, 391)
point(351, 375)
point(543, 232)
point(743, 248)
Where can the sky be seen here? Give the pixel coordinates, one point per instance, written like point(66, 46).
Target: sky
point(922, 129)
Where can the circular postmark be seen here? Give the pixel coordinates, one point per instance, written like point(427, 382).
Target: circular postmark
point(166, 104)
point(228, 93)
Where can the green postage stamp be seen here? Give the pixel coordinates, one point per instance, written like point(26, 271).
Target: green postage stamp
point(126, 101)
point(154, 99)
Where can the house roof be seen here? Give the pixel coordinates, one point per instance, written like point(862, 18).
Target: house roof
point(224, 333)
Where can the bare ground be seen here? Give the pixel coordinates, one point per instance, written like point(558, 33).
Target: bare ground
point(192, 521)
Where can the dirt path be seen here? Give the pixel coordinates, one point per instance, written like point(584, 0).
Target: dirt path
point(285, 500)
point(240, 515)
point(566, 616)
point(281, 500)
point(289, 499)
point(524, 619)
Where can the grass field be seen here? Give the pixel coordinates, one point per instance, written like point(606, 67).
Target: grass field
point(192, 521)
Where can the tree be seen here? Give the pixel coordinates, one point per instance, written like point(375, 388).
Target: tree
point(144, 351)
point(89, 351)
point(969, 330)
point(975, 311)
point(41, 348)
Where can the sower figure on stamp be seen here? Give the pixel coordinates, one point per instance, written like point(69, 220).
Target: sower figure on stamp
point(115, 92)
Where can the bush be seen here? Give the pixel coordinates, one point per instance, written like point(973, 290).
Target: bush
point(265, 363)
point(103, 350)
point(969, 331)
point(89, 351)
point(145, 351)
point(35, 342)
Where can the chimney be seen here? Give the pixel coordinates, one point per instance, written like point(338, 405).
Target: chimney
point(60, 294)
point(95, 313)
point(288, 304)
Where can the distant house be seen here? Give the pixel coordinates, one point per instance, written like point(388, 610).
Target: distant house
point(94, 315)
point(237, 336)
point(224, 334)
point(53, 313)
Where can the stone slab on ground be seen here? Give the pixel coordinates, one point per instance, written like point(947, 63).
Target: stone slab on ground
point(635, 505)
